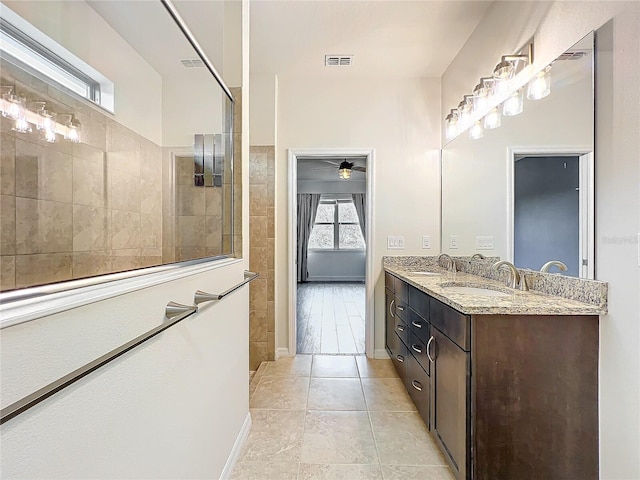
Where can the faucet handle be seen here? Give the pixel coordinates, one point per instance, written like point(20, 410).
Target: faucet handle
point(523, 282)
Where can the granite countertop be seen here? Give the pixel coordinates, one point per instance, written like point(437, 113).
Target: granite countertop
point(517, 303)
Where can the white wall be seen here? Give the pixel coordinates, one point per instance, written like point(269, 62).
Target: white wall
point(336, 266)
point(262, 109)
point(558, 26)
point(399, 119)
point(78, 28)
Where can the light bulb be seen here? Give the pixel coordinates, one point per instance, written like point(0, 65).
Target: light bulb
point(514, 104)
point(492, 119)
point(476, 131)
point(451, 125)
point(22, 126)
point(73, 131)
point(50, 136)
point(14, 106)
point(540, 85)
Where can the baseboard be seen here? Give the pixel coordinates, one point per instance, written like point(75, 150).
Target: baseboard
point(237, 448)
point(380, 353)
point(329, 278)
point(282, 352)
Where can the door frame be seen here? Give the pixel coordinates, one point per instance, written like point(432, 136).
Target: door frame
point(587, 197)
point(292, 181)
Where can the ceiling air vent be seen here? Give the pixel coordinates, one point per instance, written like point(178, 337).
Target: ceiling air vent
point(572, 55)
point(192, 63)
point(338, 60)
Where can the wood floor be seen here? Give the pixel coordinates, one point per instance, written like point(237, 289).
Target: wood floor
point(330, 318)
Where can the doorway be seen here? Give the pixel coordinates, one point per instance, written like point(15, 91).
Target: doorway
point(552, 210)
point(330, 284)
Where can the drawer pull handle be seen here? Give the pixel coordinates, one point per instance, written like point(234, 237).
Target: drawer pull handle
point(417, 385)
point(400, 328)
point(428, 344)
point(400, 307)
point(400, 358)
point(416, 324)
point(416, 348)
point(391, 308)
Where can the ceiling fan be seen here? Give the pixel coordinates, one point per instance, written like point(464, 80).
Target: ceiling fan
point(345, 168)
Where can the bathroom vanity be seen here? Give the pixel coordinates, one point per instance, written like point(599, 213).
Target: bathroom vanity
point(506, 383)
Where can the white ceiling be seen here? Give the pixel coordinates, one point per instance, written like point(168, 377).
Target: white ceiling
point(388, 38)
point(326, 169)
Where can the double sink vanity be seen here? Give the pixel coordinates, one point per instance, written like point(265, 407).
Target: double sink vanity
point(506, 380)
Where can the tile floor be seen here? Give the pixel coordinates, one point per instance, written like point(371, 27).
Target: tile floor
point(335, 418)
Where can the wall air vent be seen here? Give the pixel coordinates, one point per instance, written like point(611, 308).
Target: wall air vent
point(572, 55)
point(338, 60)
point(192, 63)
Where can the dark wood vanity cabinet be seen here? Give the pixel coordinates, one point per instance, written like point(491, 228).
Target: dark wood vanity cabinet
point(506, 396)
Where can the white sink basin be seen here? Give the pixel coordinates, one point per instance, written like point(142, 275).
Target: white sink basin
point(425, 274)
point(483, 292)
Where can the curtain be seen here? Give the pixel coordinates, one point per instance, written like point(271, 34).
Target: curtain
point(307, 209)
point(360, 202)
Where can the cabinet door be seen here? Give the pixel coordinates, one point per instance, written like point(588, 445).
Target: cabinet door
point(450, 406)
point(418, 386)
point(390, 320)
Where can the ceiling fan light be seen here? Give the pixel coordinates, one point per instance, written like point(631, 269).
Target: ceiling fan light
point(344, 170)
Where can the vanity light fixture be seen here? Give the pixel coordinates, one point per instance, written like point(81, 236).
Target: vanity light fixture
point(451, 124)
point(476, 131)
point(493, 119)
point(540, 85)
point(514, 104)
point(482, 95)
point(344, 170)
point(46, 121)
point(465, 109)
point(73, 130)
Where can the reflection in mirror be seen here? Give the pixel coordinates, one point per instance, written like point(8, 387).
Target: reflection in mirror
point(524, 191)
point(100, 133)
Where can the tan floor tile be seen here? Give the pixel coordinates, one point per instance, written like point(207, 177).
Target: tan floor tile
point(336, 394)
point(369, 367)
point(339, 472)
point(338, 437)
point(276, 436)
point(387, 395)
point(281, 392)
point(413, 472)
point(299, 365)
point(334, 366)
point(403, 439)
point(245, 470)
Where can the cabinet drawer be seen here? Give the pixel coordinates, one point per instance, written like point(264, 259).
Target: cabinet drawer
point(399, 354)
point(418, 325)
point(418, 386)
point(419, 301)
point(401, 309)
point(418, 349)
point(401, 289)
point(388, 281)
point(401, 330)
point(452, 323)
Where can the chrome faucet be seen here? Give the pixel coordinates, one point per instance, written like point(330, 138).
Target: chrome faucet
point(561, 266)
point(449, 265)
point(514, 275)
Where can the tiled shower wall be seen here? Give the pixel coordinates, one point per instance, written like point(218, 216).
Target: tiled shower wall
point(76, 210)
point(262, 244)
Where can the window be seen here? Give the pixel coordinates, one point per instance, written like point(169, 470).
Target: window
point(336, 227)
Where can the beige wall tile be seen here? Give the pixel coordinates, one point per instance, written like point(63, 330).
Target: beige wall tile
point(150, 161)
point(258, 200)
point(168, 254)
point(42, 269)
point(89, 181)
point(7, 225)
point(42, 173)
point(123, 149)
point(258, 231)
point(190, 200)
point(258, 326)
point(271, 317)
point(270, 286)
point(190, 231)
point(125, 230)
point(190, 253)
point(214, 233)
point(257, 354)
point(91, 264)
point(258, 169)
point(89, 228)
point(7, 272)
point(213, 196)
point(43, 226)
point(7, 164)
point(150, 196)
point(151, 231)
point(94, 129)
point(258, 294)
point(184, 169)
point(271, 223)
point(124, 190)
point(258, 260)
point(121, 263)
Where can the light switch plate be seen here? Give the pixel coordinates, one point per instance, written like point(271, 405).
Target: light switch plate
point(453, 241)
point(426, 241)
point(395, 242)
point(484, 243)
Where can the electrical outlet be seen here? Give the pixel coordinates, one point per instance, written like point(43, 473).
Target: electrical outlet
point(453, 241)
point(426, 241)
point(484, 243)
point(395, 242)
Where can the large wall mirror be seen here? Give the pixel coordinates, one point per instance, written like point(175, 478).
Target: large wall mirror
point(524, 191)
point(119, 154)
